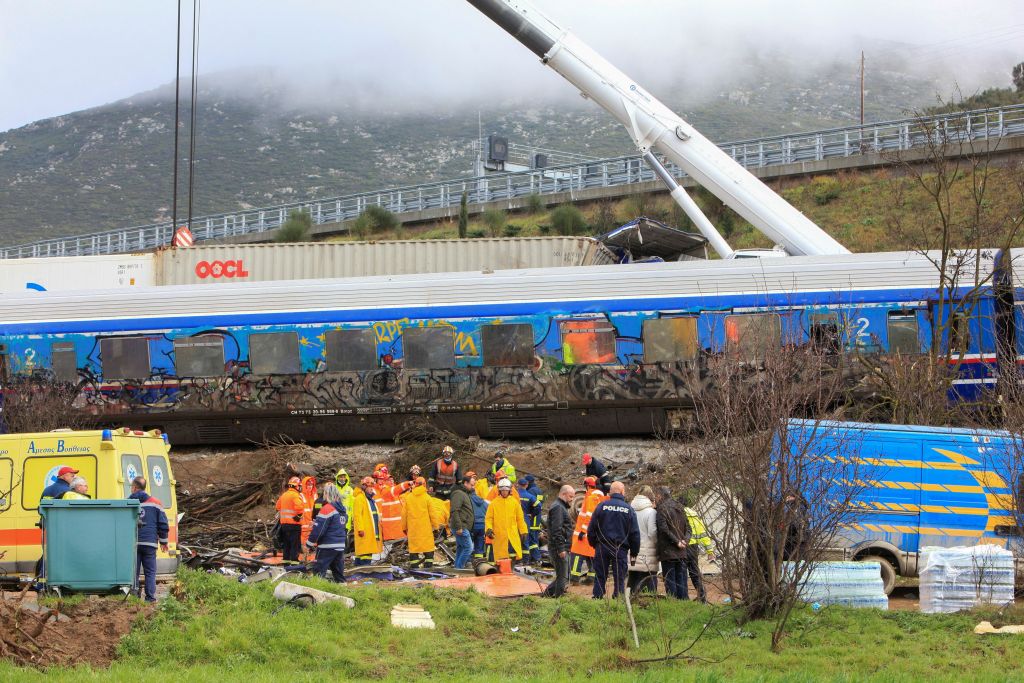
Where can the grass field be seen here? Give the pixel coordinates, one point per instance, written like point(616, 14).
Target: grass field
point(219, 630)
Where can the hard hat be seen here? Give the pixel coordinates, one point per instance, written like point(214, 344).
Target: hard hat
point(587, 458)
point(499, 454)
point(590, 482)
point(367, 481)
point(500, 474)
point(294, 482)
point(504, 484)
point(447, 450)
point(420, 481)
point(382, 471)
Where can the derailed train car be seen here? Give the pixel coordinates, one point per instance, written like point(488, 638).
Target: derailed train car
point(585, 350)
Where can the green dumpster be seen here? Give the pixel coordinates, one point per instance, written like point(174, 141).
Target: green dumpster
point(89, 545)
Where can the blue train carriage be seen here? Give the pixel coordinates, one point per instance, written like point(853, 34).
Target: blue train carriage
point(1015, 266)
point(586, 350)
point(915, 487)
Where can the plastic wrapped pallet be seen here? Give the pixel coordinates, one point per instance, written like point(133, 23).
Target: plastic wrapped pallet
point(852, 584)
point(954, 579)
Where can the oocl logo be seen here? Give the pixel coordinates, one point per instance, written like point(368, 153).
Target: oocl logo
point(219, 269)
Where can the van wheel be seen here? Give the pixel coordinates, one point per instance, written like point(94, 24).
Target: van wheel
point(888, 571)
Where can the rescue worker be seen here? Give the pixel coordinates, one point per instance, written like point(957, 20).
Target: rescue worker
point(492, 493)
point(595, 468)
point(559, 541)
point(501, 463)
point(537, 525)
point(389, 503)
point(414, 473)
point(344, 484)
point(582, 551)
point(153, 530)
point(673, 540)
point(481, 486)
point(479, 515)
point(328, 535)
point(615, 535)
point(462, 518)
point(505, 525)
point(444, 474)
point(531, 510)
point(290, 506)
point(419, 522)
point(61, 485)
point(365, 523)
point(643, 572)
point(79, 490)
point(700, 541)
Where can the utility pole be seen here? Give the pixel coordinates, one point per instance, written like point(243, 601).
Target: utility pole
point(862, 87)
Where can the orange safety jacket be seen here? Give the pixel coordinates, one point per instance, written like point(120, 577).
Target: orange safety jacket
point(389, 504)
point(445, 474)
point(290, 505)
point(581, 546)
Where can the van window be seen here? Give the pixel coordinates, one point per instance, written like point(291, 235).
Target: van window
point(429, 347)
point(131, 467)
point(507, 345)
point(824, 333)
point(38, 472)
point(274, 353)
point(904, 336)
point(753, 335)
point(351, 350)
point(670, 339)
point(201, 356)
point(63, 362)
point(587, 341)
point(6, 483)
point(125, 358)
point(159, 479)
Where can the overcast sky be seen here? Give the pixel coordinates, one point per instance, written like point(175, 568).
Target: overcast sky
point(60, 56)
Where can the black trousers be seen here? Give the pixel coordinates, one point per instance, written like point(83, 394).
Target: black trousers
point(332, 559)
point(693, 569)
point(291, 541)
point(618, 560)
point(558, 587)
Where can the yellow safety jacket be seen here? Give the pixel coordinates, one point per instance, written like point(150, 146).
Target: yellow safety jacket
point(698, 532)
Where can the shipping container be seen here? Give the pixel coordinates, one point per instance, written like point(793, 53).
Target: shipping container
point(213, 264)
point(76, 272)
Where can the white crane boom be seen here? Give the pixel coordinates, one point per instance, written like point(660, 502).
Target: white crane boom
point(654, 127)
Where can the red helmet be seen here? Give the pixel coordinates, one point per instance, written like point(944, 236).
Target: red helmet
point(587, 458)
point(590, 482)
point(294, 483)
point(381, 471)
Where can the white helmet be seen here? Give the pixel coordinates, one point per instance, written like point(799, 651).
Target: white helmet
point(504, 484)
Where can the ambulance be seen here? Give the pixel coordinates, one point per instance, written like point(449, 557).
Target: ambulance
point(108, 459)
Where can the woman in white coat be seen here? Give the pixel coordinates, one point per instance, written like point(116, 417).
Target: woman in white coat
point(643, 573)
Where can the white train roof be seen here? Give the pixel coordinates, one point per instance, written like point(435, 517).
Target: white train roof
point(838, 274)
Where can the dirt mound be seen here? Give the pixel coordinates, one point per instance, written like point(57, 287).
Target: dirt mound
point(86, 633)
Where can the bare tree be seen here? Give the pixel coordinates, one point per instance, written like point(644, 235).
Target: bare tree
point(40, 404)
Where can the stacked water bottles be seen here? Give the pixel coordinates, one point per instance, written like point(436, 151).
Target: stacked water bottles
point(953, 579)
point(853, 584)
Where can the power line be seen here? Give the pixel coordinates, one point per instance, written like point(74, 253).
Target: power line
point(177, 117)
point(196, 8)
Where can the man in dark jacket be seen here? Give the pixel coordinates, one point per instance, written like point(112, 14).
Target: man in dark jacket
point(595, 468)
point(560, 527)
point(461, 521)
point(673, 541)
point(479, 517)
point(62, 485)
point(615, 535)
point(153, 529)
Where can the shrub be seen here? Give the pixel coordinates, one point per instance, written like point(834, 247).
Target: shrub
point(512, 230)
point(544, 229)
point(476, 233)
point(296, 228)
point(825, 189)
point(374, 219)
point(568, 220)
point(495, 220)
point(535, 203)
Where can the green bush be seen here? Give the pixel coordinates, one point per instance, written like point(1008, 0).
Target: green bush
point(512, 230)
point(568, 220)
point(495, 220)
point(535, 203)
point(374, 219)
point(477, 233)
point(825, 189)
point(296, 228)
point(544, 229)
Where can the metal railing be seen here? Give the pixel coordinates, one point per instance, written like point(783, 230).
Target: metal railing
point(890, 136)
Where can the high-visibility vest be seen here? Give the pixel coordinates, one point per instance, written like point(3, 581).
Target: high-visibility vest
point(581, 546)
point(389, 505)
point(446, 473)
point(698, 532)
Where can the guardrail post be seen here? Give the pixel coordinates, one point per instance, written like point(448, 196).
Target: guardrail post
point(760, 155)
point(819, 147)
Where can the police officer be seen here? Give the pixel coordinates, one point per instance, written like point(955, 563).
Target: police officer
point(615, 535)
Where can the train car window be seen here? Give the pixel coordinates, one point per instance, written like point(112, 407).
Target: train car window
point(429, 348)
point(125, 358)
point(507, 345)
point(752, 335)
point(63, 362)
point(824, 333)
point(587, 341)
point(670, 339)
point(349, 350)
point(274, 353)
point(904, 336)
point(201, 356)
point(960, 333)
